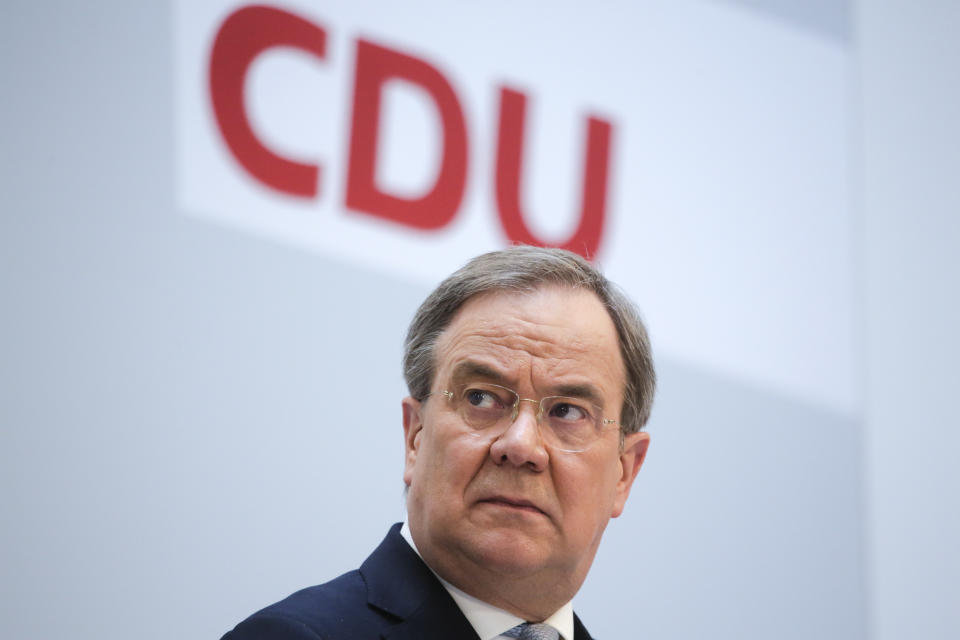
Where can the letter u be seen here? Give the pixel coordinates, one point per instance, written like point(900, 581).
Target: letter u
point(585, 240)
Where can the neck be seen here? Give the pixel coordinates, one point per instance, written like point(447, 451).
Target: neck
point(533, 595)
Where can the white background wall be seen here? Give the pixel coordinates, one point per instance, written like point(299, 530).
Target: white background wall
point(909, 142)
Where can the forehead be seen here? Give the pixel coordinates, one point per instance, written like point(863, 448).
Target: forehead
point(551, 336)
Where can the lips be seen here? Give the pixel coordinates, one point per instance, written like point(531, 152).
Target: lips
point(509, 502)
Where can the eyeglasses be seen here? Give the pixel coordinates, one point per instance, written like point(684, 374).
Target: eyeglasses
point(566, 424)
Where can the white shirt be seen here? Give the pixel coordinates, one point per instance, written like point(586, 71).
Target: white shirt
point(487, 620)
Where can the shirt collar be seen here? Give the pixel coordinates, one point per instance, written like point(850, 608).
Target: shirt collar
point(490, 621)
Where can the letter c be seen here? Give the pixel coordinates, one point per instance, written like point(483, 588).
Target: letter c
point(244, 35)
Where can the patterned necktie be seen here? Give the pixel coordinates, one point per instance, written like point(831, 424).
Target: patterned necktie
point(529, 631)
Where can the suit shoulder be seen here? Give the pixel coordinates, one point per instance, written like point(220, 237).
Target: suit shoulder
point(333, 610)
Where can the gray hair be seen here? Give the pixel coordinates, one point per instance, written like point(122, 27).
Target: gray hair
point(526, 269)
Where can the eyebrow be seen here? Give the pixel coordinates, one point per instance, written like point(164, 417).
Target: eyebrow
point(471, 370)
point(585, 391)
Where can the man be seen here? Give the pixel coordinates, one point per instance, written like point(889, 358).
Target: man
point(530, 377)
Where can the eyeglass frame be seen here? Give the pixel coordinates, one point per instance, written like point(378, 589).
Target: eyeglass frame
point(601, 422)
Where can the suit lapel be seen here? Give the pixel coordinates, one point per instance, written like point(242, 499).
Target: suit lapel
point(402, 586)
point(428, 623)
point(579, 631)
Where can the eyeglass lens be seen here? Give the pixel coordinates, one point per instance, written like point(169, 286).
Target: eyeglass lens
point(567, 423)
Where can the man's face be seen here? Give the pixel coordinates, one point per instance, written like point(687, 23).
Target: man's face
point(509, 506)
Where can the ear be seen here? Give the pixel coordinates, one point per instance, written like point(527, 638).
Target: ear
point(412, 428)
point(631, 458)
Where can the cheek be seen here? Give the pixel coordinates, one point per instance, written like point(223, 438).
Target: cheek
point(448, 460)
point(586, 490)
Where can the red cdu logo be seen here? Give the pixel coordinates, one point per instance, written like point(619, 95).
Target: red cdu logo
point(253, 30)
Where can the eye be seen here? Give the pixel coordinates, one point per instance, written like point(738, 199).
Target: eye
point(482, 399)
point(569, 412)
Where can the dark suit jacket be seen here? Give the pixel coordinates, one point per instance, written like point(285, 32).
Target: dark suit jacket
point(393, 596)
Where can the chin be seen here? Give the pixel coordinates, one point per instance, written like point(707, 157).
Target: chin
point(509, 551)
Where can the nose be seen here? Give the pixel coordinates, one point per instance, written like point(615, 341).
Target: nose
point(521, 445)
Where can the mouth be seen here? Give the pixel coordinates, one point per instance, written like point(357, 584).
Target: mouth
point(518, 505)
